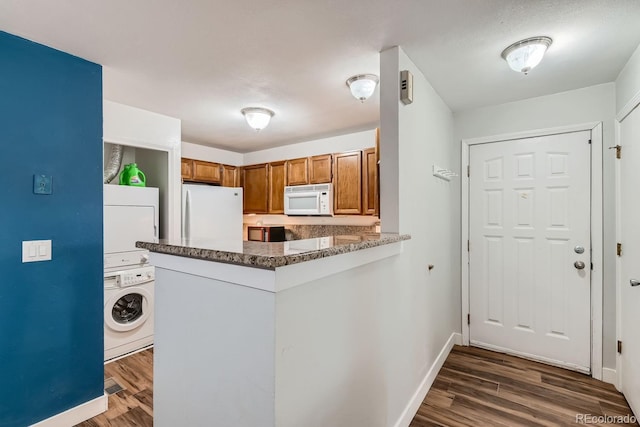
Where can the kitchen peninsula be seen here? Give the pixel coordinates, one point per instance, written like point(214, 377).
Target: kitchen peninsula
point(260, 334)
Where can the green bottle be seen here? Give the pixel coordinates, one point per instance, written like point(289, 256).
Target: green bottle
point(133, 176)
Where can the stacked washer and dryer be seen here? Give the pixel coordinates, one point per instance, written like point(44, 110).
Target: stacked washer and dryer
point(130, 214)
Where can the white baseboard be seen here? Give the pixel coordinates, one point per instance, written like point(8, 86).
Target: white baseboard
point(609, 376)
point(76, 415)
point(416, 400)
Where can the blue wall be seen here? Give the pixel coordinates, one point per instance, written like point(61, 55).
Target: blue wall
point(51, 328)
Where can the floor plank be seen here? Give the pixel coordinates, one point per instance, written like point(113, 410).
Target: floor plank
point(133, 406)
point(495, 389)
point(475, 387)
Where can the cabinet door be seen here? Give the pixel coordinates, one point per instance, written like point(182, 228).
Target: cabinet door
point(255, 178)
point(186, 167)
point(347, 183)
point(298, 171)
point(378, 172)
point(369, 182)
point(229, 176)
point(320, 169)
point(277, 178)
point(207, 172)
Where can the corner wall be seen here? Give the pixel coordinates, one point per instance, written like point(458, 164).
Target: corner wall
point(591, 104)
point(413, 201)
point(376, 335)
point(51, 324)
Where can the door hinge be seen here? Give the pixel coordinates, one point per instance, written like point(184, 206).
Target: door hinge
point(468, 319)
point(589, 141)
point(619, 346)
point(468, 246)
point(619, 249)
point(618, 151)
point(468, 171)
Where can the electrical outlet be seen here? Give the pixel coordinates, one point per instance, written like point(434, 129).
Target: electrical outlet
point(42, 184)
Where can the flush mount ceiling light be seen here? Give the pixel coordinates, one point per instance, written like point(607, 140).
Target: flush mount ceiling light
point(522, 56)
point(362, 86)
point(257, 118)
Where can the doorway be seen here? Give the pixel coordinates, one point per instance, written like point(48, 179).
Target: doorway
point(532, 259)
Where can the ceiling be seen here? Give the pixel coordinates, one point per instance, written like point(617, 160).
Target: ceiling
point(203, 60)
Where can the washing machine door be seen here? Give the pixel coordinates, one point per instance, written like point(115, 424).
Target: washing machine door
point(128, 309)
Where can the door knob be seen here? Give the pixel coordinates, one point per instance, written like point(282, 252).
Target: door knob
point(579, 265)
point(634, 282)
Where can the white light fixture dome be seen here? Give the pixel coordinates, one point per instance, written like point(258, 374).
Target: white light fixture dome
point(257, 118)
point(522, 56)
point(362, 86)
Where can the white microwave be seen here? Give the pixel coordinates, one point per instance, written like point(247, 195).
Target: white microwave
point(308, 200)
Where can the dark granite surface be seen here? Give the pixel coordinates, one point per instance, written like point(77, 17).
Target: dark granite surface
point(270, 255)
point(308, 231)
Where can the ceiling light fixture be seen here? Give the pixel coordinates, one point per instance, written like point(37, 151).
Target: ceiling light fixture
point(522, 56)
point(257, 118)
point(362, 86)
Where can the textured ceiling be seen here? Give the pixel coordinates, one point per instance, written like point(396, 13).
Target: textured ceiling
point(204, 60)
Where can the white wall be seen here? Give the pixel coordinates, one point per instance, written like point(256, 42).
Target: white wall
point(211, 154)
point(425, 307)
point(336, 144)
point(628, 82)
point(591, 104)
point(361, 358)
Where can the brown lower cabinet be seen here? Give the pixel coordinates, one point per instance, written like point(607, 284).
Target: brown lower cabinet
point(255, 179)
point(347, 183)
point(277, 180)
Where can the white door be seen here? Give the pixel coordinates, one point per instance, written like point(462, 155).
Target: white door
point(630, 259)
point(529, 222)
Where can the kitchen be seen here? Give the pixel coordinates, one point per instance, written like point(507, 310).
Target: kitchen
point(420, 317)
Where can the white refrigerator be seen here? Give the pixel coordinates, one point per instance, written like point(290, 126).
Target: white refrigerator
point(211, 213)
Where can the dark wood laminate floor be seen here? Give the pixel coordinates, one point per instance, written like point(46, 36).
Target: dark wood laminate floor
point(133, 406)
point(474, 388)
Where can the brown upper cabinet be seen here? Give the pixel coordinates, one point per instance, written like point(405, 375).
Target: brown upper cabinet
point(230, 176)
point(277, 180)
point(320, 168)
point(369, 182)
point(298, 171)
point(207, 172)
point(347, 183)
point(255, 183)
point(186, 167)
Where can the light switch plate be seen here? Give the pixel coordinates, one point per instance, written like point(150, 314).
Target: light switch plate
point(42, 184)
point(36, 250)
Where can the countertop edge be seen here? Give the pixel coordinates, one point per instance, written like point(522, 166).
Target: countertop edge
point(269, 262)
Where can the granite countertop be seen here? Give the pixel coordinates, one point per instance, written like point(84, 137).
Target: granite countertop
point(269, 255)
